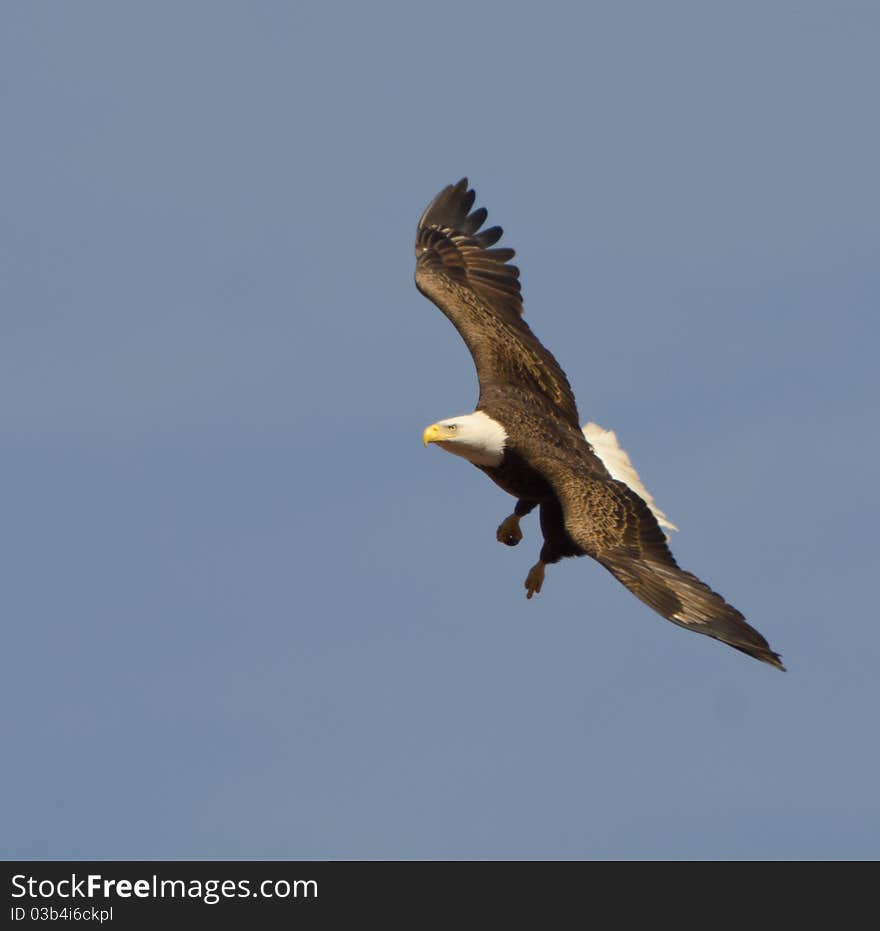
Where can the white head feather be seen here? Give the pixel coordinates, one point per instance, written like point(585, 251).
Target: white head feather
point(476, 437)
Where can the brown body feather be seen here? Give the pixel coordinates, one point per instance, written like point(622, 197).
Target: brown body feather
point(547, 460)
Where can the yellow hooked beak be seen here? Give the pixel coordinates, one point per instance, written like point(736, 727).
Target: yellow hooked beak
point(432, 434)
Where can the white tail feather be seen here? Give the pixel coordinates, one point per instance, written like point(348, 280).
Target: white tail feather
point(615, 459)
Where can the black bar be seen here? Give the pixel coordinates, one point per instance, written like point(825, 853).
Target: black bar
point(303, 893)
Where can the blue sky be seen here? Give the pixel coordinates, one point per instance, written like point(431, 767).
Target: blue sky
point(246, 614)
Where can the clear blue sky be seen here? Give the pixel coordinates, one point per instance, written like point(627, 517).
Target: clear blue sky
point(246, 614)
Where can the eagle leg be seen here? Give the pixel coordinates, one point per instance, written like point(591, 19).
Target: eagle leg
point(508, 531)
point(535, 578)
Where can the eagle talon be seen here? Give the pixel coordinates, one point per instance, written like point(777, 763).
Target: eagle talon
point(535, 579)
point(508, 531)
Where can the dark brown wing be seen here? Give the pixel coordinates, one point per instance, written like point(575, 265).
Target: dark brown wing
point(479, 291)
point(611, 523)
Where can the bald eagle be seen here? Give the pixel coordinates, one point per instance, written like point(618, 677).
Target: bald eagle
point(525, 433)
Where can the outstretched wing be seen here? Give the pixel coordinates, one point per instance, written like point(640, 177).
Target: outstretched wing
point(611, 523)
point(479, 291)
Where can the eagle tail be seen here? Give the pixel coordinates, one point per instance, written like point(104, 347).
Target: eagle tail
point(683, 599)
point(615, 458)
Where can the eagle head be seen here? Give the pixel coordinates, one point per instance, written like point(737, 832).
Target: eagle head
point(476, 437)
